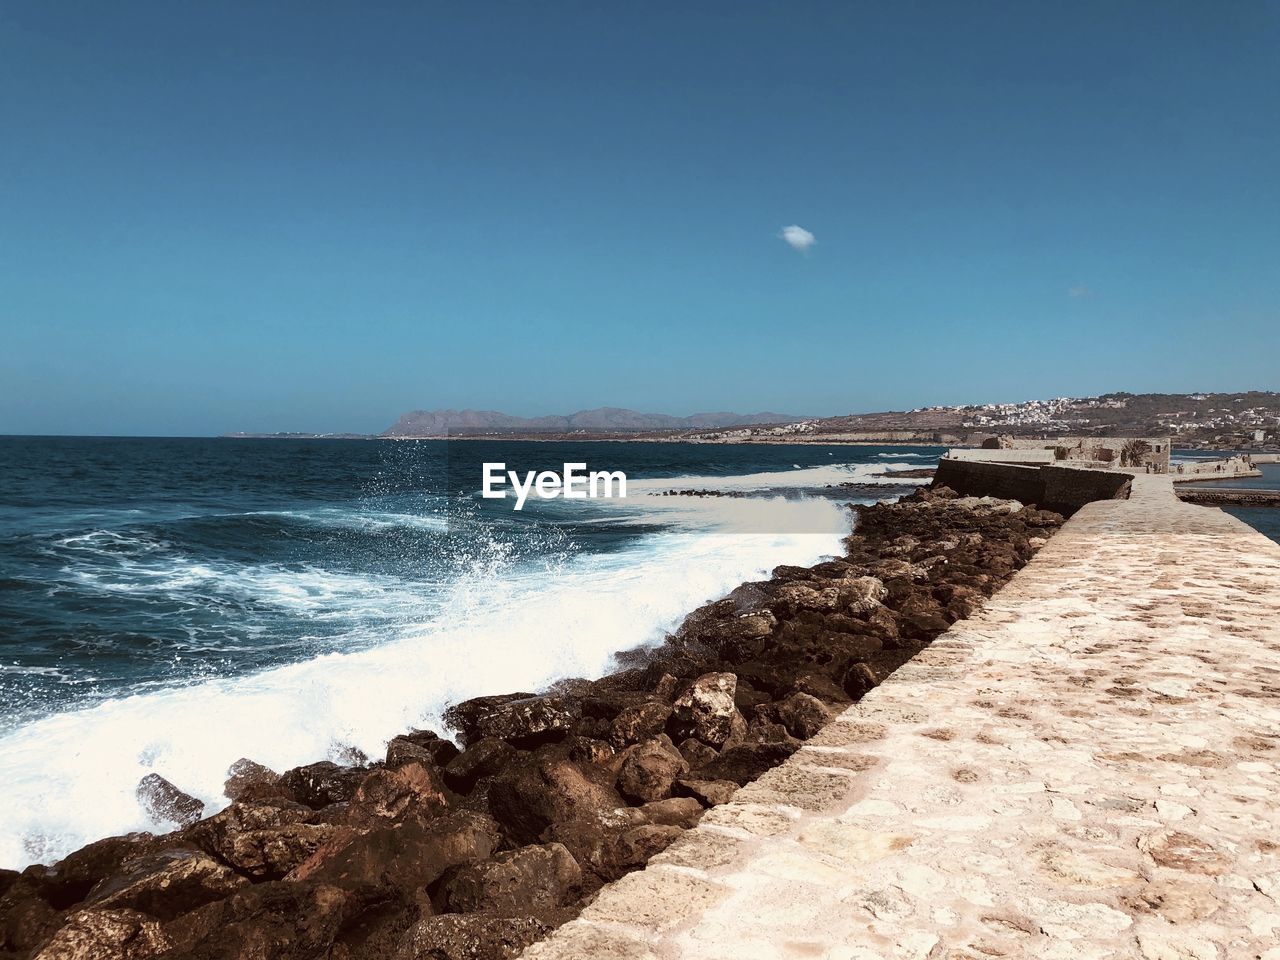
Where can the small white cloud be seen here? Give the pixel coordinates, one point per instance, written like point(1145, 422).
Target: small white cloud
point(1079, 290)
point(798, 238)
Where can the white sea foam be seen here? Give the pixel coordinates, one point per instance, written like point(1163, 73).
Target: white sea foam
point(70, 778)
point(366, 520)
point(305, 588)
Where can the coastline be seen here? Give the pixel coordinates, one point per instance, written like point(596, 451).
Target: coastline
point(553, 795)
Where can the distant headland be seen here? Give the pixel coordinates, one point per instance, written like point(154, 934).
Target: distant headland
point(1242, 420)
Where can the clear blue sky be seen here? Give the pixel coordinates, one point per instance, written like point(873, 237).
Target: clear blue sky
point(271, 216)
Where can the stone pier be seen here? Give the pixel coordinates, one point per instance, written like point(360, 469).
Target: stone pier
point(1089, 768)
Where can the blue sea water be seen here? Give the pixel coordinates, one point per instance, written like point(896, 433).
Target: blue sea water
point(1264, 519)
point(171, 605)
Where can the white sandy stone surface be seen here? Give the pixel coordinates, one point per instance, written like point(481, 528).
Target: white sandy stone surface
point(1086, 769)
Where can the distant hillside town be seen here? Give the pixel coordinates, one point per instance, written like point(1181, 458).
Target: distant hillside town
point(1241, 421)
point(1237, 421)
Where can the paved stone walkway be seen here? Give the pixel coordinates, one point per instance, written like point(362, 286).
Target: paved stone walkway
point(1086, 769)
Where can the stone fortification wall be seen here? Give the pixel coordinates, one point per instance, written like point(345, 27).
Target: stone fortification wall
point(1051, 487)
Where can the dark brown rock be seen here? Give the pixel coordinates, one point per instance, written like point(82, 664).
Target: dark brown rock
point(696, 753)
point(859, 679)
point(273, 920)
point(526, 880)
point(822, 686)
point(634, 847)
point(709, 793)
point(411, 789)
point(402, 859)
point(69, 881)
point(649, 770)
point(107, 935)
point(522, 719)
point(639, 722)
point(706, 709)
point(921, 618)
point(263, 841)
point(588, 750)
point(249, 780)
point(482, 759)
point(456, 936)
point(539, 789)
point(320, 784)
point(423, 746)
point(26, 919)
point(744, 763)
point(802, 715)
point(167, 884)
point(683, 812)
point(165, 803)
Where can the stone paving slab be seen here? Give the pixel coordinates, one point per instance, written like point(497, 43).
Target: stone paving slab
point(1089, 768)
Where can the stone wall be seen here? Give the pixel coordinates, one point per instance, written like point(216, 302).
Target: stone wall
point(1063, 489)
point(1100, 451)
point(1003, 455)
point(1007, 480)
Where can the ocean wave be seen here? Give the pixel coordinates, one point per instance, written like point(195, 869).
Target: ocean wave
point(69, 778)
point(348, 519)
point(304, 588)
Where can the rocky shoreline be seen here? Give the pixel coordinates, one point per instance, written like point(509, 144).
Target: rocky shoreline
point(477, 849)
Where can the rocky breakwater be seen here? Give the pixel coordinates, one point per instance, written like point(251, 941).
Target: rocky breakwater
point(476, 849)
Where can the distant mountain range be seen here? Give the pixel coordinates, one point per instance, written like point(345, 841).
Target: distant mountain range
point(440, 423)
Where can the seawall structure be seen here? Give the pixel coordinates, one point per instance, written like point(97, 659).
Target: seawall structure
point(1087, 768)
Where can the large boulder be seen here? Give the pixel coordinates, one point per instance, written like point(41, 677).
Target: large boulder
point(650, 769)
point(639, 722)
point(402, 859)
point(106, 935)
point(633, 848)
point(526, 880)
point(167, 884)
point(321, 784)
point(861, 595)
point(273, 920)
point(263, 841)
point(26, 918)
point(412, 789)
point(482, 759)
point(68, 882)
point(803, 715)
point(746, 762)
point(165, 803)
point(520, 719)
point(545, 787)
point(709, 793)
point(459, 936)
point(249, 780)
point(424, 746)
point(706, 710)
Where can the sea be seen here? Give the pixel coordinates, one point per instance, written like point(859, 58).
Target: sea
point(173, 605)
point(1265, 519)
